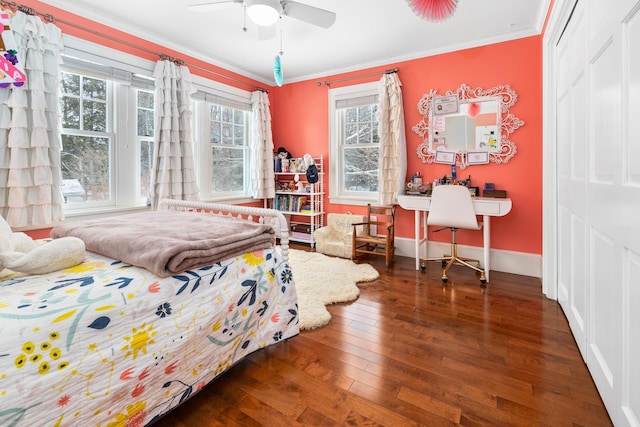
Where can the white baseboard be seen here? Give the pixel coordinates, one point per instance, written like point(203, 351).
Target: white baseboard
point(506, 261)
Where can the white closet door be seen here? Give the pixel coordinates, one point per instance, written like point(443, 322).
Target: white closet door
point(597, 145)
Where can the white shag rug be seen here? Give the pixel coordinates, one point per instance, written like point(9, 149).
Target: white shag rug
point(321, 280)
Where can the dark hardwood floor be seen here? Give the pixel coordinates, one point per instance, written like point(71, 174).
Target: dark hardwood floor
point(414, 352)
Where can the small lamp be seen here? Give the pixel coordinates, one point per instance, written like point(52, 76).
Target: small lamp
point(264, 12)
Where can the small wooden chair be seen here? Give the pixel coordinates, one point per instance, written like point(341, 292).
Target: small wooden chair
point(380, 220)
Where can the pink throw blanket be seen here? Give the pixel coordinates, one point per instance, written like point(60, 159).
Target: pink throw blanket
point(169, 242)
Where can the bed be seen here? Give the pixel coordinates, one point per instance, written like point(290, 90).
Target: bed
point(106, 343)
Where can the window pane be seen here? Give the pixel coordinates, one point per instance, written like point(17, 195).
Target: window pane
point(70, 112)
point(94, 116)
point(145, 122)
point(70, 84)
point(351, 134)
point(146, 163)
point(364, 113)
point(351, 115)
point(361, 169)
point(238, 135)
point(227, 136)
point(238, 117)
point(215, 112)
point(86, 159)
point(227, 169)
point(145, 99)
point(226, 115)
point(94, 88)
point(364, 133)
point(216, 137)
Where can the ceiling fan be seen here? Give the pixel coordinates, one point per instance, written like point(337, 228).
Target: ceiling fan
point(266, 12)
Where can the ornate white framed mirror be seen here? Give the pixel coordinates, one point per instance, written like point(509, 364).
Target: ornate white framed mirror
point(480, 122)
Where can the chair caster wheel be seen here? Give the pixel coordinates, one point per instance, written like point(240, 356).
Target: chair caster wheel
point(443, 263)
point(444, 280)
point(483, 281)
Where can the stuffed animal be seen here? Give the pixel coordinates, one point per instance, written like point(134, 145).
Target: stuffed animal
point(18, 252)
point(305, 162)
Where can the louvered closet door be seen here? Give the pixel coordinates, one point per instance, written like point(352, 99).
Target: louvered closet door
point(598, 189)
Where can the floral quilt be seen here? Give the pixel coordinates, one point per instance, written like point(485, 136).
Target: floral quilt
point(108, 344)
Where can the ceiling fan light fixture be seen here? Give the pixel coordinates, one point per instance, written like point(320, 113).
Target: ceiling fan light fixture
point(264, 12)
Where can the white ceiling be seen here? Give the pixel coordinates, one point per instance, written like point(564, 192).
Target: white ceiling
point(366, 33)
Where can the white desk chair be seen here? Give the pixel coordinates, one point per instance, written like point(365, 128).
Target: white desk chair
point(452, 207)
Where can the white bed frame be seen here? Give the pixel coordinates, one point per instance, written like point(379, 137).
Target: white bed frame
point(260, 215)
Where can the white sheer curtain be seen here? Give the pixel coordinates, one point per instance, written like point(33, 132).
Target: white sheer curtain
point(173, 175)
point(30, 144)
point(261, 144)
point(393, 144)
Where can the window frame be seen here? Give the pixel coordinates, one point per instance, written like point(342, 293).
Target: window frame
point(337, 194)
point(212, 92)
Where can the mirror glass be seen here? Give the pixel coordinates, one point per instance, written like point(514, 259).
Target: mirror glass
point(472, 125)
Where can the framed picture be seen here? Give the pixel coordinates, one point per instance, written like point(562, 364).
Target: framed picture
point(447, 157)
point(445, 105)
point(477, 157)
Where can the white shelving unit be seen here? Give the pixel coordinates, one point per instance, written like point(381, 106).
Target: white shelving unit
point(303, 208)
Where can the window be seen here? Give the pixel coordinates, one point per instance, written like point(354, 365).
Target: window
point(87, 138)
point(223, 124)
point(229, 149)
point(144, 126)
point(354, 144)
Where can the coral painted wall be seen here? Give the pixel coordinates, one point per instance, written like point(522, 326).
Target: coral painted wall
point(300, 123)
point(300, 119)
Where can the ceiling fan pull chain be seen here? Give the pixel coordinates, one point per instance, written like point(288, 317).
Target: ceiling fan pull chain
point(281, 51)
point(244, 14)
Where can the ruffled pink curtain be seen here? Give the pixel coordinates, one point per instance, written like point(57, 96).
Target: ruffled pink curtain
point(30, 142)
point(173, 173)
point(393, 141)
point(261, 145)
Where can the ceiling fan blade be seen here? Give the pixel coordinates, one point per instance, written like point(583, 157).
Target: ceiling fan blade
point(312, 15)
point(212, 5)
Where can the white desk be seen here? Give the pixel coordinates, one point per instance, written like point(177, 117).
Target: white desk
point(485, 206)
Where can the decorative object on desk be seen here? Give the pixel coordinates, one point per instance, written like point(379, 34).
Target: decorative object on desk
point(321, 280)
point(500, 194)
point(488, 186)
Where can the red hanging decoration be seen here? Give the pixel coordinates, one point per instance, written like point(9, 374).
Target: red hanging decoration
point(433, 10)
point(473, 109)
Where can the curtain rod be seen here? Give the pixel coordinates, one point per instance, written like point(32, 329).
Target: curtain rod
point(328, 83)
point(50, 18)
